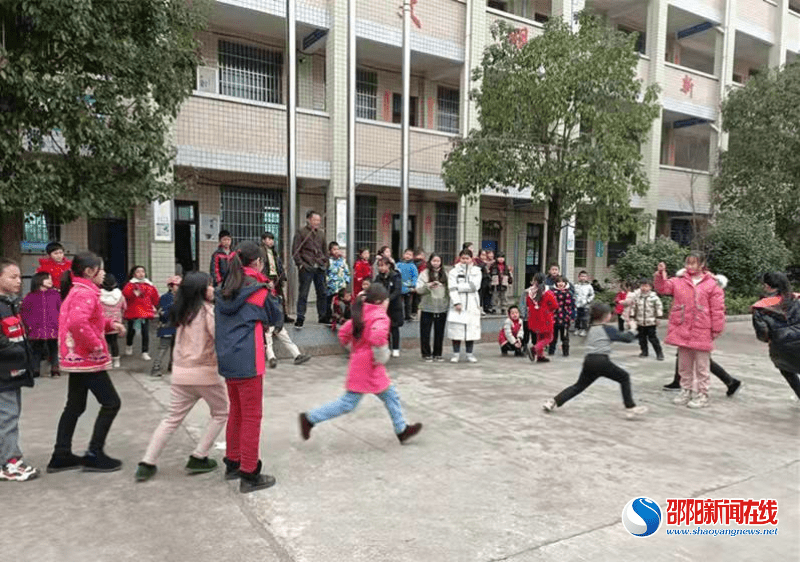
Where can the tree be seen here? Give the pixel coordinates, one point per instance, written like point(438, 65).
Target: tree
point(565, 116)
point(88, 93)
point(759, 173)
point(641, 260)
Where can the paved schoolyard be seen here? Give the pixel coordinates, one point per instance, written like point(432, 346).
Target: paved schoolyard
point(491, 477)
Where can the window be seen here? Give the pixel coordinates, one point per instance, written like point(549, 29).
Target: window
point(366, 94)
point(446, 231)
point(397, 109)
point(247, 213)
point(617, 248)
point(447, 109)
point(581, 246)
point(490, 235)
point(249, 72)
point(681, 231)
point(40, 228)
point(366, 223)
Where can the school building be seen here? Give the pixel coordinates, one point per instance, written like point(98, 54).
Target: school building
point(231, 133)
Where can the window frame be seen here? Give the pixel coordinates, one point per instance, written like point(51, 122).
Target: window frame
point(446, 98)
point(366, 94)
point(258, 76)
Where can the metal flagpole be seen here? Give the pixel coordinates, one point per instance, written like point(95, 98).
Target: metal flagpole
point(405, 122)
point(291, 137)
point(351, 131)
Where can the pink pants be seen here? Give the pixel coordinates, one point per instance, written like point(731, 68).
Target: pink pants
point(693, 367)
point(244, 421)
point(184, 397)
point(543, 339)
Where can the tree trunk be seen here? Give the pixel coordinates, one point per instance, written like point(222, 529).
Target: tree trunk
point(553, 232)
point(11, 233)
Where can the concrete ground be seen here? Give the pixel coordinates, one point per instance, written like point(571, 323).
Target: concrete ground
point(491, 477)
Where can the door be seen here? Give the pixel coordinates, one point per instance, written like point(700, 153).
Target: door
point(186, 235)
point(108, 238)
point(397, 250)
point(533, 251)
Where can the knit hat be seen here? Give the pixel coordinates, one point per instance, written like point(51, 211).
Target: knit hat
point(174, 280)
point(52, 247)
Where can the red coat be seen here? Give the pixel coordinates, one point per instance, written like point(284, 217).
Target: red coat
point(540, 315)
point(361, 270)
point(82, 326)
point(144, 304)
point(55, 269)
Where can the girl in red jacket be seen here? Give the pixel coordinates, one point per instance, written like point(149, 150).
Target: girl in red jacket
point(361, 270)
point(83, 353)
point(142, 298)
point(542, 305)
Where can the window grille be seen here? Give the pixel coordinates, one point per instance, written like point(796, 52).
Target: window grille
point(681, 231)
point(248, 213)
point(446, 231)
point(448, 101)
point(581, 247)
point(250, 72)
point(618, 248)
point(366, 94)
point(41, 227)
point(366, 235)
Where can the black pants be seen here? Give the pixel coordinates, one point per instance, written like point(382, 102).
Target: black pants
point(794, 381)
point(457, 346)
point(528, 337)
point(113, 344)
point(395, 337)
point(80, 384)
point(716, 370)
point(145, 334)
point(649, 333)
point(563, 331)
point(415, 303)
point(437, 321)
point(408, 299)
point(507, 347)
point(621, 323)
point(308, 276)
point(45, 349)
point(594, 367)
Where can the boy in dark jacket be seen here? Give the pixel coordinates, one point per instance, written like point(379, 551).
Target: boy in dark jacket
point(16, 371)
point(220, 259)
point(166, 329)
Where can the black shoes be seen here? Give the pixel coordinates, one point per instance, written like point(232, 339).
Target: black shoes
point(273, 363)
point(98, 461)
point(254, 481)
point(674, 385)
point(542, 359)
point(305, 426)
point(643, 355)
point(231, 469)
point(298, 324)
point(64, 461)
point(409, 432)
point(734, 386)
point(302, 358)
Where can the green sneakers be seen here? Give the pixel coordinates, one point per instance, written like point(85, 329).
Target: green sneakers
point(145, 471)
point(198, 466)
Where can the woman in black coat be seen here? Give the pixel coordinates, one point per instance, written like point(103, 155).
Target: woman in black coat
point(776, 320)
point(390, 278)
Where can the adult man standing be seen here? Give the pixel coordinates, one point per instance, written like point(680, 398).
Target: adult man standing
point(309, 254)
point(273, 270)
point(220, 258)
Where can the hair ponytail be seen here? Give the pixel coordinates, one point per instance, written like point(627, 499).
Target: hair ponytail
point(245, 254)
point(80, 263)
point(376, 293)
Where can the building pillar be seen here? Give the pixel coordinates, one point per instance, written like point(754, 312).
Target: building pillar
point(336, 104)
point(777, 53)
point(728, 49)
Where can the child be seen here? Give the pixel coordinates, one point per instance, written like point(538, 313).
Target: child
point(421, 264)
point(166, 330)
point(361, 270)
point(340, 309)
point(584, 295)
point(485, 292)
point(195, 375)
point(389, 277)
point(511, 334)
point(645, 312)
point(365, 285)
point(366, 333)
point(697, 318)
point(16, 371)
point(83, 353)
point(627, 305)
point(241, 319)
point(40, 316)
point(408, 276)
point(54, 263)
point(276, 331)
point(434, 302)
point(221, 257)
point(141, 298)
point(596, 364)
point(338, 274)
point(114, 305)
point(464, 315)
point(500, 273)
point(562, 317)
point(542, 305)
point(384, 252)
point(619, 304)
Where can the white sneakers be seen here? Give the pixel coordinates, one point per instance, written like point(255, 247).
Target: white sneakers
point(128, 350)
point(146, 356)
point(454, 358)
point(635, 412)
point(18, 471)
point(683, 398)
point(116, 362)
point(691, 399)
point(471, 358)
point(395, 353)
point(699, 401)
point(550, 405)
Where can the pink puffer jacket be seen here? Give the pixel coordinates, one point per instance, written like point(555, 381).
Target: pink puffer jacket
point(697, 316)
point(82, 327)
point(364, 374)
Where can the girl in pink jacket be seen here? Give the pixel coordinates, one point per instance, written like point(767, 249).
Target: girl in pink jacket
point(368, 332)
point(83, 353)
point(697, 318)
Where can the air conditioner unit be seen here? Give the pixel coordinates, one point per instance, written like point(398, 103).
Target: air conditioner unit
point(207, 79)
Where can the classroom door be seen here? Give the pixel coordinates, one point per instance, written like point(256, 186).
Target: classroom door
point(397, 246)
point(108, 238)
point(186, 235)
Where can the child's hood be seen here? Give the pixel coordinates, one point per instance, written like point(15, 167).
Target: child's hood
point(137, 280)
point(232, 306)
point(721, 279)
point(110, 298)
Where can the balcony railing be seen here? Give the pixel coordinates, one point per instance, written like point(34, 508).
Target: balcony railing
point(526, 28)
point(684, 190)
point(757, 15)
point(685, 85)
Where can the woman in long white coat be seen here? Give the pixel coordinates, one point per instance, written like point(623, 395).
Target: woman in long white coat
point(464, 316)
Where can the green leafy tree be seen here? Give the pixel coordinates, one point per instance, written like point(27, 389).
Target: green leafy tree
point(743, 247)
point(641, 260)
point(88, 94)
point(565, 116)
point(760, 172)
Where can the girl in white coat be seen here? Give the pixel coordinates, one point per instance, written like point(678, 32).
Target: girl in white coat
point(464, 316)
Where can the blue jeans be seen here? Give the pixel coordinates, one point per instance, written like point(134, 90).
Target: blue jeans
point(306, 277)
point(348, 402)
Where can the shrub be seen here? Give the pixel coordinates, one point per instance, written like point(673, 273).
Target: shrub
point(739, 304)
point(743, 248)
point(641, 260)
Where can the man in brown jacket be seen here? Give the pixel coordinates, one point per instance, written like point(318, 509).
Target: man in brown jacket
point(309, 253)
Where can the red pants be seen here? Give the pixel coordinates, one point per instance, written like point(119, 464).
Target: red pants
point(543, 339)
point(243, 434)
